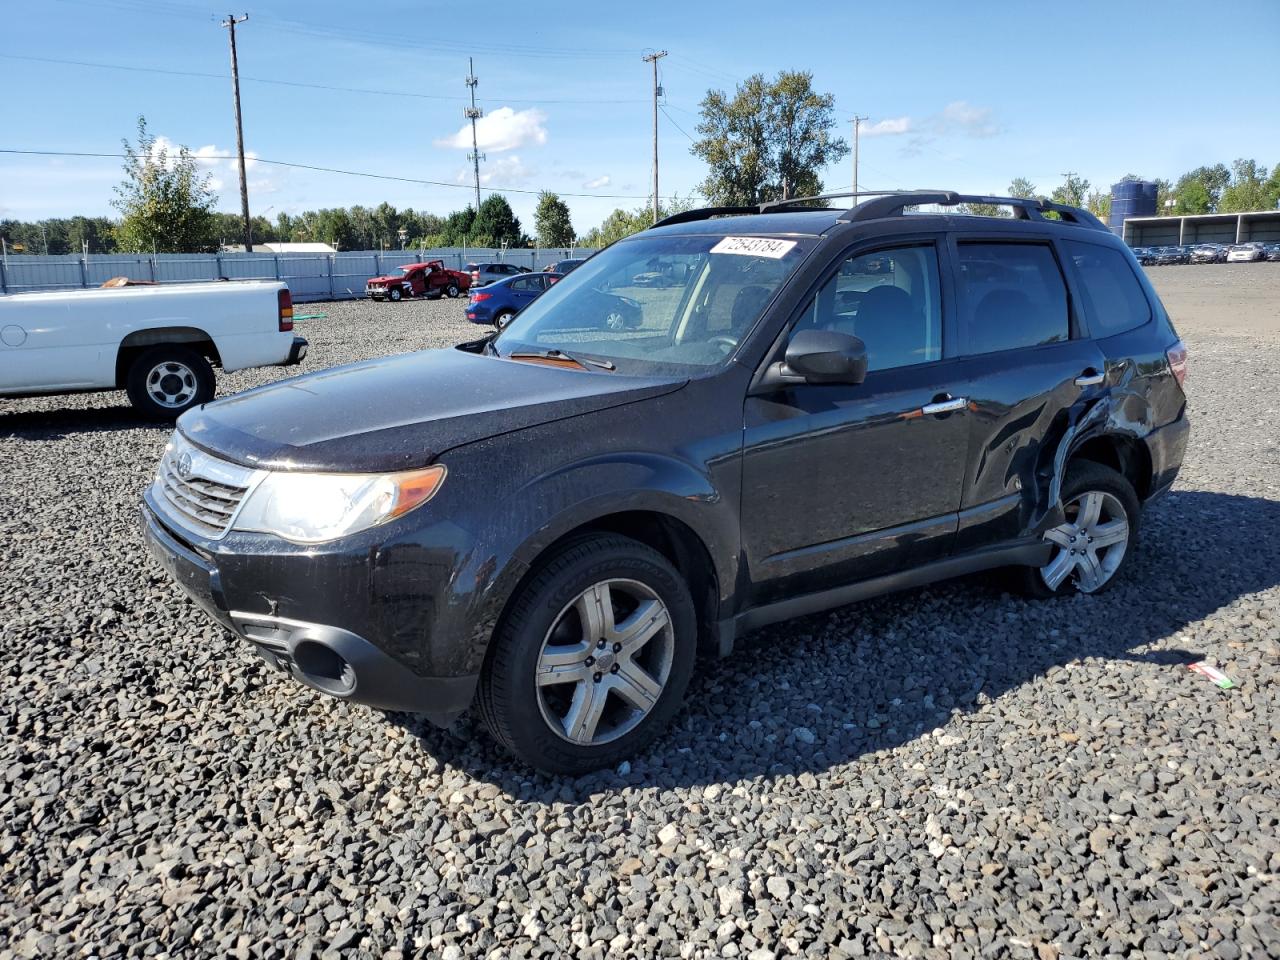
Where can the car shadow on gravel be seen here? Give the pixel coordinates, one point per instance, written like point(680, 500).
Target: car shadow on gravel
point(823, 690)
point(57, 424)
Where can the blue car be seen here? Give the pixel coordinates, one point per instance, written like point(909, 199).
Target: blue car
point(496, 303)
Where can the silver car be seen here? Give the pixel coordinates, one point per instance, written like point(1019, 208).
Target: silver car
point(1246, 253)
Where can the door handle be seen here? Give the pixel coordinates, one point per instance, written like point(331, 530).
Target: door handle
point(1090, 378)
point(949, 405)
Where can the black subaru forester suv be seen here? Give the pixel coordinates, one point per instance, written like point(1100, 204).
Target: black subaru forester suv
point(816, 405)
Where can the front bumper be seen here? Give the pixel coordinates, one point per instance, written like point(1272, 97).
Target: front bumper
point(331, 659)
point(297, 350)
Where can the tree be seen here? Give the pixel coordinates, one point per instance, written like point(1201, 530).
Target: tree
point(1073, 190)
point(1200, 190)
point(551, 221)
point(769, 141)
point(96, 232)
point(1099, 204)
point(1247, 190)
point(1271, 190)
point(496, 221)
point(1023, 189)
point(165, 204)
point(623, 223)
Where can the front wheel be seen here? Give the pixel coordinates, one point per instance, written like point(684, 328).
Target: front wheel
point(592, 659)
point(166, 381)
point(394, 293)
point(1095, 539)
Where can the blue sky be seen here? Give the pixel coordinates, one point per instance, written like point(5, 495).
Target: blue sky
point(965, 95)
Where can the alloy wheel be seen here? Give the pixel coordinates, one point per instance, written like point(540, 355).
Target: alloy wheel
point(1091, 543)
point(605, 662)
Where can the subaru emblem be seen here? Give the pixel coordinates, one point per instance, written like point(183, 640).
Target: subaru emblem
point(184, 466)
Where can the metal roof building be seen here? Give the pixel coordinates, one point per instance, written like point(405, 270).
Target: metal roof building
point(1260, 225)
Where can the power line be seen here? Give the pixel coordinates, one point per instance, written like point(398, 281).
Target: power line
point(303, 84)
point(347, 173)
point(663, 108)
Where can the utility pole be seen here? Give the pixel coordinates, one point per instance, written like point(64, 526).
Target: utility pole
point(654, 58)
point(857, 122)
point(474, 113)
point(230, 24)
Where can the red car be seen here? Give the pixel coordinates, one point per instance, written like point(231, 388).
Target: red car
point(431, 279)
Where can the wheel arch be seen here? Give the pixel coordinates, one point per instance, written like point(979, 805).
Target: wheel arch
point(139, 341)
point(1126, 455)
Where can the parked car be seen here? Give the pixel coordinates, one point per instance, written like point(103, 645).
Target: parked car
point(563, 266)
point(1273, 251)
point(1245, 253)
point(1209, 253)
point(550, 520)
point(1166, 256)
point(158, 342)
point(431, 279)
point(498, 302)
point(1145, 255)
point(484, 273)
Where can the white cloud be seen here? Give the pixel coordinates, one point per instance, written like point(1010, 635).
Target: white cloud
point(890, 127)
point(962, 117)
point(219, 163)
point(598, 182)
point(503, 129)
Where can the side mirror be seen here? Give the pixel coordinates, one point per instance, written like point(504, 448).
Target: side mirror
point(826, 356)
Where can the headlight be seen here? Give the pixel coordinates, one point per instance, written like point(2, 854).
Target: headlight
point(315, 507)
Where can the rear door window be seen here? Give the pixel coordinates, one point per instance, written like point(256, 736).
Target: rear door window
point(1113, 298)
point(1012, 296)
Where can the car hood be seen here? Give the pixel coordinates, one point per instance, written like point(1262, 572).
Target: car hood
point(386, 279)
point(401, 412)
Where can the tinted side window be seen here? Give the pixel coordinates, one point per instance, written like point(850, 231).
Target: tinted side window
point(1012, 295)
point(890, 300)
point(1112, 296)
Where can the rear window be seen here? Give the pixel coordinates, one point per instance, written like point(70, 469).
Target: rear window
point(1113, 299)
point(1012, 296)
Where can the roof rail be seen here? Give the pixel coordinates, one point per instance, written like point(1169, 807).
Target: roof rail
point(1024, 208)
point(892, 203)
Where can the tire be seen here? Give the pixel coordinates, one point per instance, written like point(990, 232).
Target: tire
point(394, 294)
point(452, 291)
point(634, 692)
point(166, 381)
point(1093, 568)
point(502, 319)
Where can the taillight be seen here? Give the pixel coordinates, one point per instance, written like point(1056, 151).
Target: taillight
point(1177, 355)
point(284, 300)
point(477, 297)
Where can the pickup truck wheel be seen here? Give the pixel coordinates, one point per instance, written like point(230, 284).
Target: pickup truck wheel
point(592, 658)
point(394, 293)
point(502, 319)
point(452, 290)
point(167, 380)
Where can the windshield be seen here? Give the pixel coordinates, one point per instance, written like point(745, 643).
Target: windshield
point(659, 302)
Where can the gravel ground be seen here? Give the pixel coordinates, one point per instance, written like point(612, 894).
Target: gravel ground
point(948, 772)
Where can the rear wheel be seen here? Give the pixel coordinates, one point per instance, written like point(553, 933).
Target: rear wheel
point(1096, 537)
point(593, 657)
point(503, 318)
point(452, 290)
point(165, 381)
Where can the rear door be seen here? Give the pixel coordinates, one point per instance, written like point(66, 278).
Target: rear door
point(524, 290)
point(846, 482)
point(1027, 358)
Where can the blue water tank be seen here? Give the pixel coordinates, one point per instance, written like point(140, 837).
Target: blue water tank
point(1131, 198)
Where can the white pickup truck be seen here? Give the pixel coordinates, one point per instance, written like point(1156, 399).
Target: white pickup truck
point(160, 343)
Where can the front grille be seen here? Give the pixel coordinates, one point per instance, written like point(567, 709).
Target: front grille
point(206, 500)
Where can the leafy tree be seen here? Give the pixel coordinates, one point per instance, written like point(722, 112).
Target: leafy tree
point(1023, 189)
point(1073, 190)
point(1200, 190)
point(1247, 190)
point(97, 232)
point(623, 223)
point(164, 202)
point(496, 221)
point(552, 221)
point(457, 226)
point(1271, 190)
point(769, 141)
point(1099, 204)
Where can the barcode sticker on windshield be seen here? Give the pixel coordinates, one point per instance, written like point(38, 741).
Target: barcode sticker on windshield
point(755, 247)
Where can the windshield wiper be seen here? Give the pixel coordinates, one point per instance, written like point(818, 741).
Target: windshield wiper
point(562, 356)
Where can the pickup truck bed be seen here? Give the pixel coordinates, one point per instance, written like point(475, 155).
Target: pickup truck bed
point(158, 342)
